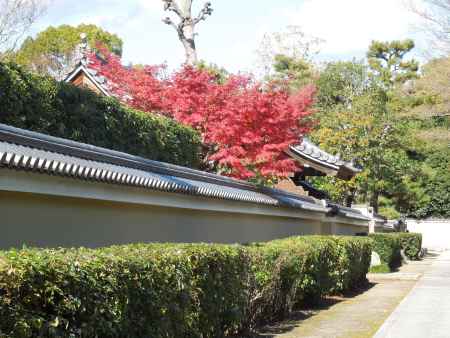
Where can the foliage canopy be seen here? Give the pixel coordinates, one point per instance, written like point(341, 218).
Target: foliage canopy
point(246, 126)
point(55, 50)
point(41, 104)
point(392, 120)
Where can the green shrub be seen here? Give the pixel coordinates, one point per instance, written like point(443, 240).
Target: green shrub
point(277, 271)
point(59, 109)
point(323, 274)
point(411, 244)
point(299, 271)
point(388, 247)
point(126, 291)
point(171, 290)
point(344, 262)
point(355, 262)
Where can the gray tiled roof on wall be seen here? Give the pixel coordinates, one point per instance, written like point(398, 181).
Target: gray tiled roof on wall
point(29, 151)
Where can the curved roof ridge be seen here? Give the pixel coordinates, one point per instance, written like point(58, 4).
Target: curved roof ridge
point(307, 152)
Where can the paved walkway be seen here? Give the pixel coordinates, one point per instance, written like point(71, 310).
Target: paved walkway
point(357, 316)
point(425, 312)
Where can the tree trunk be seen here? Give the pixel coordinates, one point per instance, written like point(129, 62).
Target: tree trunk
point(187, 39)
point(349, 198)
point(374, 200)
point(185, 27)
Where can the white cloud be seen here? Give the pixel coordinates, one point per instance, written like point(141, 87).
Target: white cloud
point(230, 37)
point(350, 25)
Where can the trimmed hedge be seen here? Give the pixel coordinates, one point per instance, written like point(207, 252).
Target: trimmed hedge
point(340, 263)
point(411, 244)
point(59, 109)
point(125, 291)
point(171, 290)
point(388, 246)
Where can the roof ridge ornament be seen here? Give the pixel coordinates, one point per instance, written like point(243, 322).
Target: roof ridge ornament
point(84, 49)
point(81, 66)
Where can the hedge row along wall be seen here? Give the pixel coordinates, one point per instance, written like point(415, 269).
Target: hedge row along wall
point(41, 104)
point(300, 270)
point(171, 290)
point(388, 246)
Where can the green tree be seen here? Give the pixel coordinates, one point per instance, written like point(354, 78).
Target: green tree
point(297, 71)
point(54, 50)
point(431, 91)
point(339, 83)
point(387, 62)
point(374, 114)
point(367, 132)
point(426, 112)
point(426, 103)
point(356, 120)
point(437, 184)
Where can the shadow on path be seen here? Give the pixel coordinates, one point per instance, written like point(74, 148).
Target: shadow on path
point(296, 317)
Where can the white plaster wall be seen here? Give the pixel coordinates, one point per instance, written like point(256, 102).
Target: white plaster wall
point(49, 221)
point(41, 210)
point(435, 233)
point(349, 229)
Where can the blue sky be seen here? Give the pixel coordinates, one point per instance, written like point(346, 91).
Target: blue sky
point(231, 35)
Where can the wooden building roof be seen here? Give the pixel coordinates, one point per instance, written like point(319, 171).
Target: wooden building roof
point(83, 76)
point(318, 162)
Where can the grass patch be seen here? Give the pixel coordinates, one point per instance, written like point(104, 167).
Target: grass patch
point(382, 268)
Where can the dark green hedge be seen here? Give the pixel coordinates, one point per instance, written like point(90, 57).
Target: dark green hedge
point(41, 104)
point(171, 290)
point(411, 244)
point(388, 246)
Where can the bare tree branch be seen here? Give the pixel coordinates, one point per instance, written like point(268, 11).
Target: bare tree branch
point(171, 5)
point(16, 18)
point(204, 13)
point(168, 21)
point(436, 23)
point(186, 25)
point(292, 42)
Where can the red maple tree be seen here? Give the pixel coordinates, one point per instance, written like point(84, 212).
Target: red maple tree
point(246, 125)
